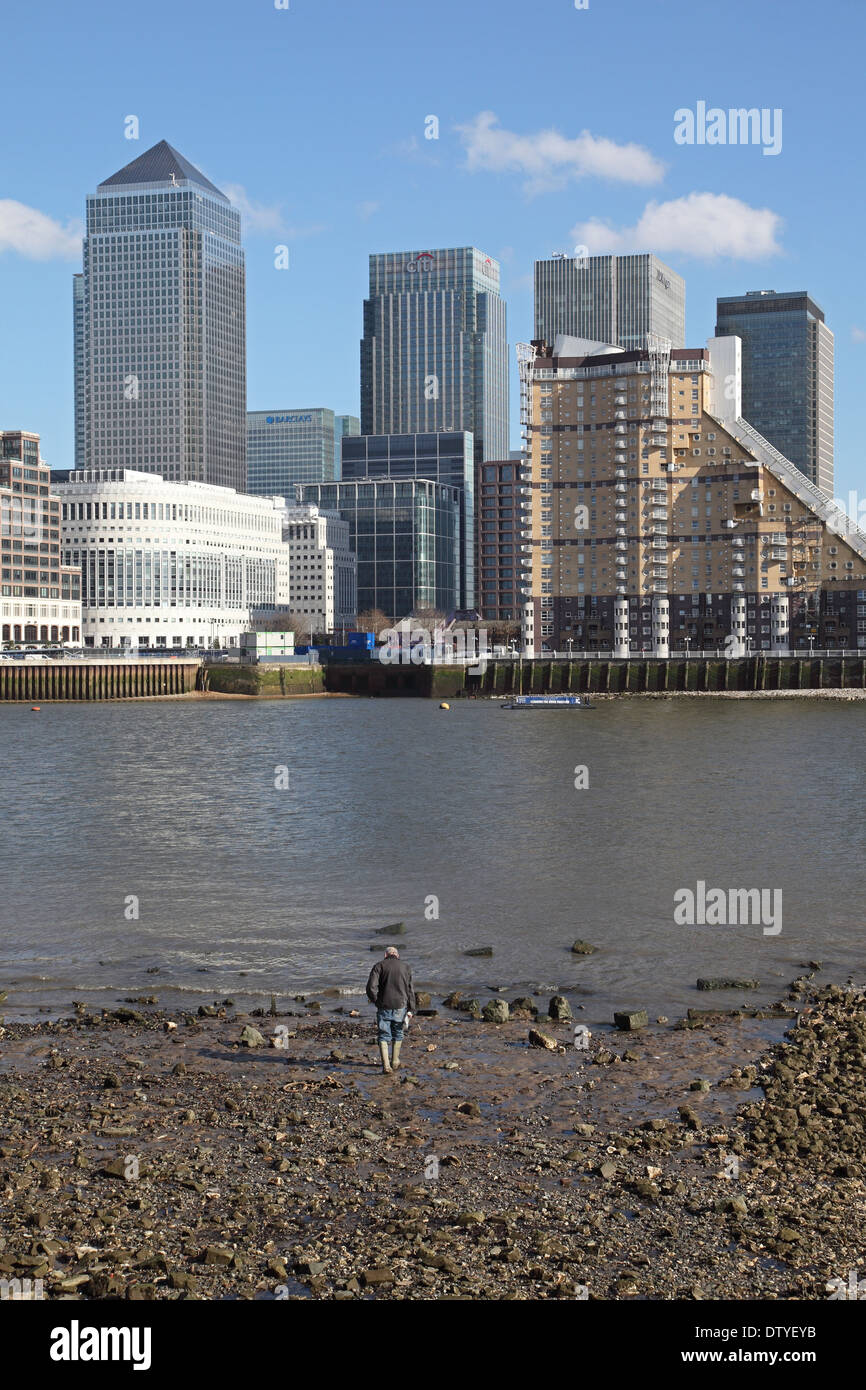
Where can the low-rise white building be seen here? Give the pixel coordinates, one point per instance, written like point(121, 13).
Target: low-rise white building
point(40, 599)
point(170, 564)
point(323, 583)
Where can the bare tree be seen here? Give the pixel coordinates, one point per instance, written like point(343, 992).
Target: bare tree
point(428, 618)
point(373, 620)
point(303, 625)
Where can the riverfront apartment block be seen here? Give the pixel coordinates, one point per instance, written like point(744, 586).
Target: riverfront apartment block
point(323, 584)
point(40, 597)
point(610, 299)
point(499, 541)
point(406, 535)
point(656, 518)
point(787, 374)
point(167, 564)
point(446, 458)
point(286, 447)
point(434, 356)
point(159, 318)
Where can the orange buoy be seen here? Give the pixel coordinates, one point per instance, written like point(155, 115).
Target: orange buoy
point(35, 709)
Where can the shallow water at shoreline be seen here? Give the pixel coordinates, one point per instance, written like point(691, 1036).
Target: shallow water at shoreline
point(245, 889)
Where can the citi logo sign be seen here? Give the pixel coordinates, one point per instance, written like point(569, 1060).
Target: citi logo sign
point(288, 419)
point(423, 261)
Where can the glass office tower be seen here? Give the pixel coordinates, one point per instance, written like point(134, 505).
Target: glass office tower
point(446, 458)
point(787, 374)
point(405, 535)
point(344, 426)
point(434, 355)
point(160, 326)
point(609, 299)
point(286, 447)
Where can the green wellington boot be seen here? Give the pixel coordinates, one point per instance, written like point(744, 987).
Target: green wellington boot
point(395, 1055)
point(386, 1065)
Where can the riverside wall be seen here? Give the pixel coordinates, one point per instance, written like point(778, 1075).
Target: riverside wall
point(761, 674)
point(37, 681)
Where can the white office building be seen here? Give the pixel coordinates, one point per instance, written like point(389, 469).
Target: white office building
point(168, 564)
point(323, 583)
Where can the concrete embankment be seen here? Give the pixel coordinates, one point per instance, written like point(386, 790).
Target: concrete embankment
point(44, 681)
point(762, 675)
point(273, 681)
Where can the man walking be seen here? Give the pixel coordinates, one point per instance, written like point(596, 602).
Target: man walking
point(391, 989)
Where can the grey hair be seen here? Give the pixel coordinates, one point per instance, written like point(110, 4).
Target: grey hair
point(391, 951)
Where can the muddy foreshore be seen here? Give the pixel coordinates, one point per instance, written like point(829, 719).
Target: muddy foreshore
point(146, 1155)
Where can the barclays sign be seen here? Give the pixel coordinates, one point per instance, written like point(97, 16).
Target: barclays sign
point(288, 419)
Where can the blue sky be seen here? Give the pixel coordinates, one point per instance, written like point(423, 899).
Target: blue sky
point(556, 128)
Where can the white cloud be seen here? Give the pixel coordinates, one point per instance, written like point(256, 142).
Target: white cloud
point(703, 225)
point(257, 217)
point(367, 209)
point(38, 237)
point(858, 335)
point(550, 160)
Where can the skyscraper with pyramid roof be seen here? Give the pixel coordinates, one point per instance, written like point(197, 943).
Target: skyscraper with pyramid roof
point(160, 338)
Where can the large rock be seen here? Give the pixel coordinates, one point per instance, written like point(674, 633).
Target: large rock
point(539, 1039)
point(251, 1037)
point(583, 948)
point(479, 951)
point(394, 929)
point(559, 1008)
point(631, 1019)
point(495, 1011)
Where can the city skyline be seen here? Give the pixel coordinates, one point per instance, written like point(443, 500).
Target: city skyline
point(522, 176)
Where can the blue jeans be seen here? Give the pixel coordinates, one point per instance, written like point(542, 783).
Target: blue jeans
point(390, 1024)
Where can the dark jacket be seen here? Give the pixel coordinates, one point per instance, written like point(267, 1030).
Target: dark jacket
point(390, 985)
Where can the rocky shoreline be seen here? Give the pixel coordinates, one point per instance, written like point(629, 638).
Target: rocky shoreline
point(145, 1155)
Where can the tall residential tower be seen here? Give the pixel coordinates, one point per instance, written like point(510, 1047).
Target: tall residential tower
point(160, 376)
point(434, 355)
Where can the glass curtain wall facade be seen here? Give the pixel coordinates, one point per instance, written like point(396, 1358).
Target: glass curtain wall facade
point(160, 326)
point(405, 536)
point(434, 356)
point(345, 426)
point(286, 447)
point(445, 458)
point(609, 299)
point(787, 374)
